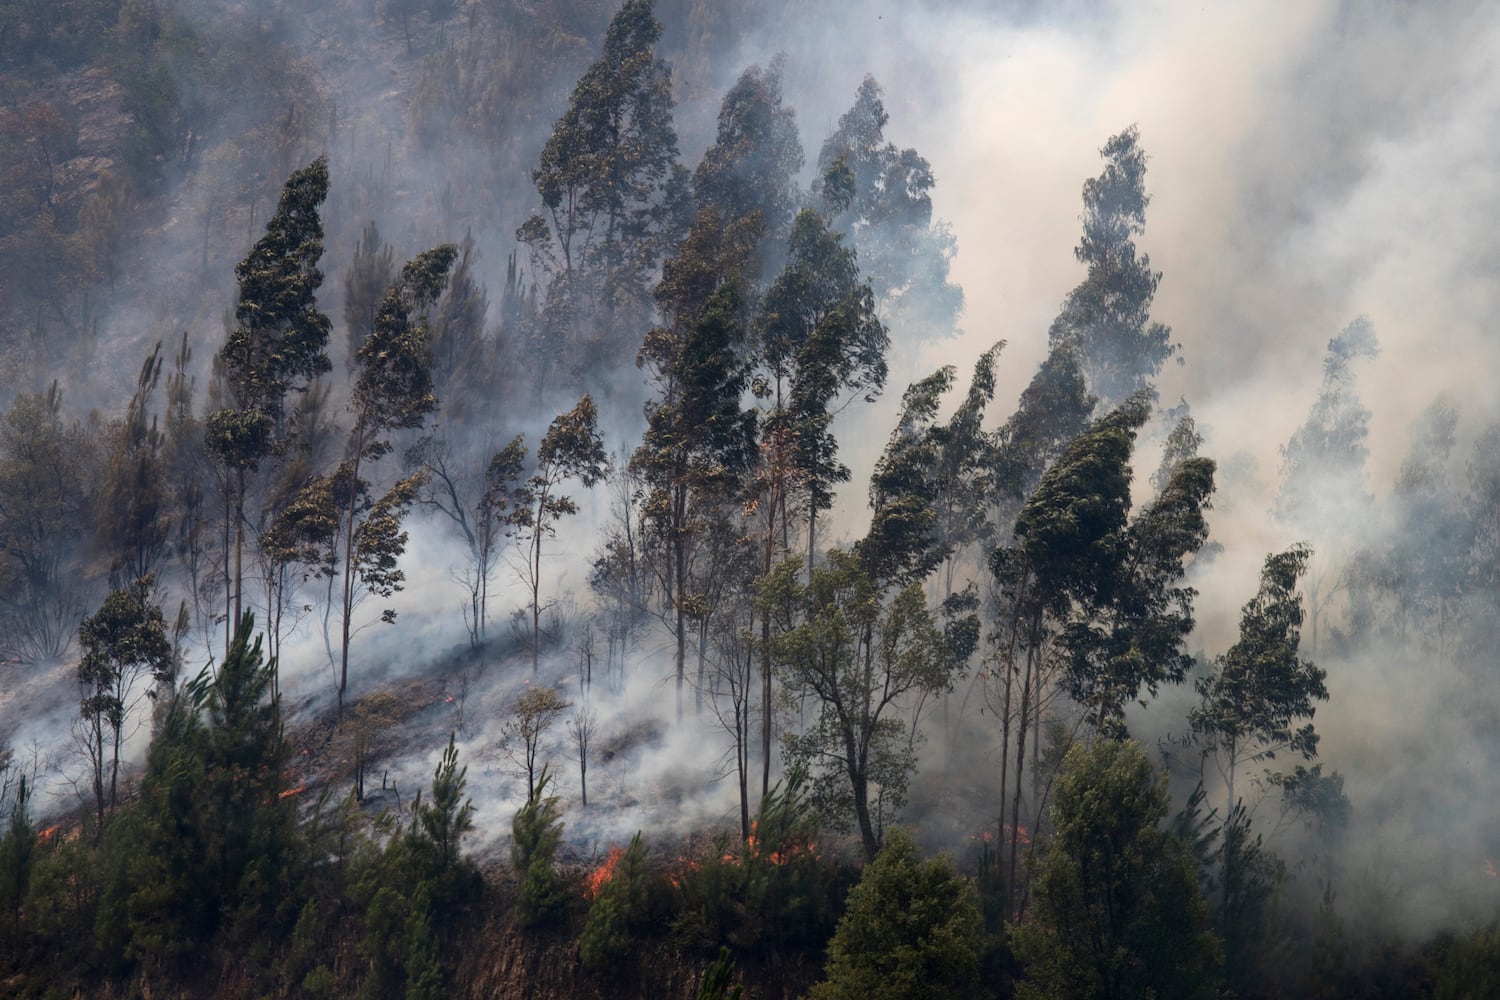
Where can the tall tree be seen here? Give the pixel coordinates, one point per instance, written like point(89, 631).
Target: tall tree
point(1261, 688)
point(393, 391)
point(134, 512)
point(608, 181)
point(818, 340)
point(277, 346)
point(748, 175)
point(698, 441)
point(1323, 493)
point(867, 655)
point(1107, 317)
point(46, 465)
point(124, 639)
point(1090, 602)
point(886, 211)
point(1118, 910)
point(571, 449)
point(336, 523)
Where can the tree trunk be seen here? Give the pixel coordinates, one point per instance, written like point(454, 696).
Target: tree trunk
point(679, 585)
point(239, 550)
point(1021, 724)
point(348, 597)
point(536, 586)
point(812, 545)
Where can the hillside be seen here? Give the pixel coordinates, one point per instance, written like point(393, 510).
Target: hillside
point(571, 498)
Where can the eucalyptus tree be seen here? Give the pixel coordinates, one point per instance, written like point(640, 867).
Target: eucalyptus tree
point(1107, 317)
point(336, 524)
point(1090, 602)
point(862, 650)
point(609, 185)
point(698, 442)
point(1262, 688)
point(134, 510)
point(571, 449)
point(817, 340)
point(1323, 489)
point(276, 347)
point(748, 175)
point(125, 639)
point(887, 213)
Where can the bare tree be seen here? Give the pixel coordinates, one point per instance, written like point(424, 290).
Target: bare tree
point(523, 737)
point(582, 728)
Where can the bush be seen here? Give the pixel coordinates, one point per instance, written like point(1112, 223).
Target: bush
point(912, 930)
point(535, 834)
point(620, 911)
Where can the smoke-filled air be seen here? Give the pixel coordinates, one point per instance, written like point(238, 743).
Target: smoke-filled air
point(570, 498)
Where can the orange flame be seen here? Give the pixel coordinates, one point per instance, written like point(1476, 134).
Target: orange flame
point(753, 848)
point(51, 832)
point(600, 877)
point(292, 791)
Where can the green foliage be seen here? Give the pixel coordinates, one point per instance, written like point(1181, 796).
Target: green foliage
point(1108, 583)
point(210, 853)
point(1106, 318)
point(1054, 409)
point(125, 638)
point(748, 176)
point(1261, 688)
point(413, 888)
point(1117, 909)
point(448, 815)
point(621, 911)
point(718, 982)
point(424, 973)
point(882, 197)
point(393, 388)
point(1466, 966)
point(862, 654)
point(774, 894)
point(278, 344)
point(912, 929)
point(536, 832)
point(931, 489)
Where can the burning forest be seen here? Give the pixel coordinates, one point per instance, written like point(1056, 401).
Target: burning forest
point(677, 499)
